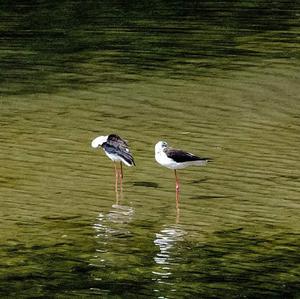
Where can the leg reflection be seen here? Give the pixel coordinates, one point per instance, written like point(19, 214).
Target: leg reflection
point(112, 231)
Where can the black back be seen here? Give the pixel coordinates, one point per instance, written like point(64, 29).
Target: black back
point(180, 156)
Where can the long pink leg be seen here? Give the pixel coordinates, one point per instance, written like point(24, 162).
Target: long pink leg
point(121, 178)
point(121, 164)
point(177, 190)
point(177, 181)
point(177, 213)
point(117, 175)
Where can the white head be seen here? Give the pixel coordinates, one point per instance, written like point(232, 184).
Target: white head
point(160, 145)
point(98, 141)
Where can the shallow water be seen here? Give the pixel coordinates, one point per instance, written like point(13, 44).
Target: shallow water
point(219, 80)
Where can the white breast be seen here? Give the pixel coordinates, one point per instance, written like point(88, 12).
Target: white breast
point(113, 157)
point(163, 160)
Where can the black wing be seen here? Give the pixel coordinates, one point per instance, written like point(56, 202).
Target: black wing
point(114, 138)
point(180, 156)
point(116, 145)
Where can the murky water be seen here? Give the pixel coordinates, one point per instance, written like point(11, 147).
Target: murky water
point(219, 79)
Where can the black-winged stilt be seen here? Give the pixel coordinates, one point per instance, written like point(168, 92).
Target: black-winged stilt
point(176, 159)
point(117, 150)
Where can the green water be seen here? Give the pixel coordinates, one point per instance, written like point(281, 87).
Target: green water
point(219, 79)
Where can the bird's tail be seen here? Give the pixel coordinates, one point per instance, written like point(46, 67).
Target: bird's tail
point(128, 159)
point(202, 161)
point(208, 159)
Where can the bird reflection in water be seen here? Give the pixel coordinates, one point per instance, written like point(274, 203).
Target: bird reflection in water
point(112, 233)
point(167, 259)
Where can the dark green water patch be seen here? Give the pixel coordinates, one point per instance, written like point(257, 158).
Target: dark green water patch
point(234, 262)
point(72, 44)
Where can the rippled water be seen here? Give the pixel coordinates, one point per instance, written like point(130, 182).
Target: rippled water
point(218, 79)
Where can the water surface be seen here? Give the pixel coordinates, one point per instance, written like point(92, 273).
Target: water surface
point(217, 79)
